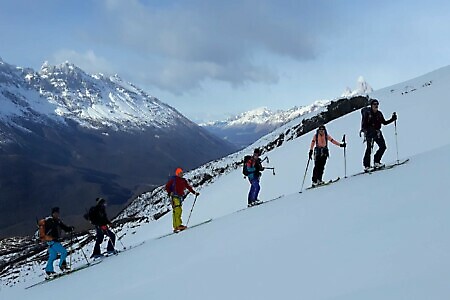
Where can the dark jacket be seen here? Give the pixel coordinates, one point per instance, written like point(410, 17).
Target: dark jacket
point(177, 185)
point(371, 121)
point(53, 228)
point(97, 215)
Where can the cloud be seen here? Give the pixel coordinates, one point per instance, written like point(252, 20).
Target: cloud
point(184, 43)
point(87, 61)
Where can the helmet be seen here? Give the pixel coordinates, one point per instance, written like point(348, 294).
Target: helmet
point(374, 101)
point(257, 151)
point(321, 127)
point(178, 171)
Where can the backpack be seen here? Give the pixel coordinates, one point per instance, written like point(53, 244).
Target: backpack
point(365, 114)
point(91, 215)
point(41, 232)
point(244, 166)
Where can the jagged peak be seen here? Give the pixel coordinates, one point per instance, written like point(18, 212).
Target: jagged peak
point(65, 67)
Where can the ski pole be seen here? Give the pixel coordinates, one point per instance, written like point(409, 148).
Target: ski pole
point(304, 177)
point(71, 250)
point(82, 251)
point(345, 157)
point(192, 208)
point(396, 139)
point(270, 168)
point(110, 228)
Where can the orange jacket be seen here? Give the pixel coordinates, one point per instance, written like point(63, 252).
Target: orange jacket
point(321, 142)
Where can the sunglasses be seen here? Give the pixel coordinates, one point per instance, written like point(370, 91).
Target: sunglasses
point(375, 104)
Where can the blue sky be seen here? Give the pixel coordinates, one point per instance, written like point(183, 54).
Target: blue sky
point(210, 59)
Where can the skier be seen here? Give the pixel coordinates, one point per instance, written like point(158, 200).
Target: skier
point(254, 169)
point(320, 145)
point(175, 188)
point(371, 122)
point(98, 217)
point(49, 231)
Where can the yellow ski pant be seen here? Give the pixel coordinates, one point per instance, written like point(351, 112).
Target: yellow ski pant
point(177, 211)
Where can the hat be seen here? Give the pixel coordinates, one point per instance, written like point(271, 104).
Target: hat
point(55, 210)
point(374, 101)
point(100, 200)
point(178, 171)
point(257, 150)
point(322, 127)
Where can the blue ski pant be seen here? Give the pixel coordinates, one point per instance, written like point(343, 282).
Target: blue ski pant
point(254, 190)
point(53, 249)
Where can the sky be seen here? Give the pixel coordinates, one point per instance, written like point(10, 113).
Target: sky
point(213, 59)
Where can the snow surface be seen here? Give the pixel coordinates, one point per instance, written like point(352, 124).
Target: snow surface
point(375, 236)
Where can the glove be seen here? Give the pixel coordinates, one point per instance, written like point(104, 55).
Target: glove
point(394, 116)
point(197, 193)
point(343, 145)
point(310, 154)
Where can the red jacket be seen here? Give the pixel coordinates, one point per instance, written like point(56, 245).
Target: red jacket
point(178, 185)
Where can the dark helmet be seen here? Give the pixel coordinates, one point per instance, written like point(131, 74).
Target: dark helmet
point(374, 101)
point(257, 151)
point(321, 127)
point(100, 201)
point(55, 210)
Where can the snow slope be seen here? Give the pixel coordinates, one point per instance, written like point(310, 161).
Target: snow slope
point(375, 236)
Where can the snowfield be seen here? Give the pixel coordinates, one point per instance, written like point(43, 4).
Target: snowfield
point(375, 236)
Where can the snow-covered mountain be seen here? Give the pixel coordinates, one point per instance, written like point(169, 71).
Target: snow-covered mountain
point(93, 101)
point(247, 127)
point(362, 88)
point(61, 127)
point(374, 236)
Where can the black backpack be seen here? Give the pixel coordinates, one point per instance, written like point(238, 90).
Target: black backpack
point(244, 165)
point(91, 215)
point(365, 114)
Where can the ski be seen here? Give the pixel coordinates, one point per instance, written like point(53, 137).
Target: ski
point(108, 254)
point(386, 167)
point(323, 184)
point(62, 274)
point(189, 227)
point(262, 202)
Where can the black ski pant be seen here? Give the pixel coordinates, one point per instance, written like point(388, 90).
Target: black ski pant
point(99, 239)
point(319, 167)
point(376, 137)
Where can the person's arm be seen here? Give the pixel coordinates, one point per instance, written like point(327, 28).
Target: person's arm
point(65, 227)
point(189, 187)
point(392, 119)
point(335, 142)
point(313, 142)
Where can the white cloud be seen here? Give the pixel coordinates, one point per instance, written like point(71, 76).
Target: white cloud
point(88, 61)
point(184, 43)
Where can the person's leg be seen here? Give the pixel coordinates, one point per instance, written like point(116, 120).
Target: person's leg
point(321, 161)
point(60, 249)
point(98, 241)
point(177, 212)
point(381, 148)
point(369, 145)
point(257, 188)
point(52, 255)
point(112, 240)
